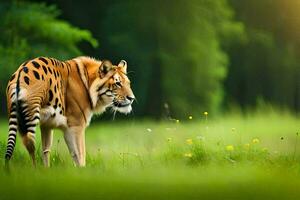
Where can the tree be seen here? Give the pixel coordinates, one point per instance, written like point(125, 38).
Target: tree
point(175, 50)
point(29, 30)
point(266, 65)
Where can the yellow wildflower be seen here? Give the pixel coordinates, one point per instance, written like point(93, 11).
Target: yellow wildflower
point(205, 113)
point(255, 141)
point(189, 141)
point(190, 117)
point(229, 148)
point(177, 121)
point(189, 155)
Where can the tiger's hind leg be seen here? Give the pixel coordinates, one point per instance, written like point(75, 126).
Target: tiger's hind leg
point(29, 142)
point(47, 138)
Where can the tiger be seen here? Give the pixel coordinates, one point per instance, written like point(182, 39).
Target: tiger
point(63, 95)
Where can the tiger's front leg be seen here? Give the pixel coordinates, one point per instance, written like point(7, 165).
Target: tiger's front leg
point(75, 139)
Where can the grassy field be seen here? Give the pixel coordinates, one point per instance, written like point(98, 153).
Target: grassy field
point(233, 157)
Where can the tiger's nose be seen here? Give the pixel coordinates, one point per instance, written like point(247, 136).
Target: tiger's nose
point(130, 98)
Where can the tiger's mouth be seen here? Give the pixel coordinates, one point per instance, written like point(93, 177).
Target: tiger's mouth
point(122, 107)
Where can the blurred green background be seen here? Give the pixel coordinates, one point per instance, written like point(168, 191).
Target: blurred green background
point(185, 57)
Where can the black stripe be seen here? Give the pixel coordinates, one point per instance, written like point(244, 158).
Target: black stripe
point(8, 153)
point(30, 126)
point(13, 108)
point(26, 79)
point(13, 77)
point(13, 123)
point(12, 116)
point(25, 69)
point(49, 69)
point(30, 131)
point(86, 89)
point(44, 60)
point(36, 74)
point(100, 88)
point(45, 69)
point(86, 74)
point(12, 95)
point(12, 129)
point(36, 117)
point(56, 102)
point(18, 83)
point(8, 87)
point(21, 117)
point(11, 140)
point(68, 67)
point(10, 144)
point(9, 150)
point(12, 134)
point(25, 115)
point(35, 64)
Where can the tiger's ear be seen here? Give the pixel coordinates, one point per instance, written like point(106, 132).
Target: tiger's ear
point(105, 67)
point(123, 64)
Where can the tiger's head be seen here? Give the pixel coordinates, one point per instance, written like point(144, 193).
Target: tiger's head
point(112, 88)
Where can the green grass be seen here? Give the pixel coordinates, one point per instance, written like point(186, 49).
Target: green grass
point(233, 157)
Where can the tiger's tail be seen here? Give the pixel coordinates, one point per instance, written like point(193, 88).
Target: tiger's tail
point(12, 132)
point(23, 118)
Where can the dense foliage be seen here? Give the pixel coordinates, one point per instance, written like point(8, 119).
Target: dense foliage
point(175, 51)
point(194, 56)
point(29, 30)
point(266, 65)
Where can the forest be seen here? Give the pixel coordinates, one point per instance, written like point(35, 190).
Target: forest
point(184, 57)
